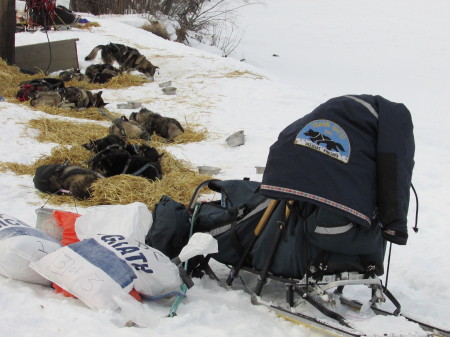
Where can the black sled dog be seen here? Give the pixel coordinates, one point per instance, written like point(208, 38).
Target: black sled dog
point(115, 161)
point(128, 58)
point(101, 73)
point(116, 142)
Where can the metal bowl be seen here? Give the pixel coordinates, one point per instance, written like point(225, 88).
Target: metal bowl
point(169, 90)
point(165, 84)
point(208, 170)
point(236, 139)
point(260, 169)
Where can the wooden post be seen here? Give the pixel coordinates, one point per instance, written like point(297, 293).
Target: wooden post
point(7, 30)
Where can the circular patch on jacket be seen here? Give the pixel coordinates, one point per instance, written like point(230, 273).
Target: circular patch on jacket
point(326, 137)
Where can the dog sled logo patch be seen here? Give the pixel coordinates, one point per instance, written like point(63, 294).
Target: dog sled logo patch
point(327, 137)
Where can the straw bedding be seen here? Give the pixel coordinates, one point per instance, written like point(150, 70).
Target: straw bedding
point(179, 178)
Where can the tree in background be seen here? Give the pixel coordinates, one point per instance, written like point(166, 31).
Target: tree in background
point(208, 21)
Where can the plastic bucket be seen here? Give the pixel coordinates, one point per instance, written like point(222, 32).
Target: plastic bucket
point(46, 222)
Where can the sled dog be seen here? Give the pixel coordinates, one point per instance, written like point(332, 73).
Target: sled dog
point(127, 129)
point(54, 177)
point(114, 141)
point(128, 58)
point(50, 98)
point(116, 161)
point(101, 73)
point(166, 127)
point(83, 98)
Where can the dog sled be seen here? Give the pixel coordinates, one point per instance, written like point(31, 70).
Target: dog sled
point(259, 239)
point(320, 221)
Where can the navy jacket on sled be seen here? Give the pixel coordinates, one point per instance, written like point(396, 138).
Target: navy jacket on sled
point(351, 161)
point(353, 154)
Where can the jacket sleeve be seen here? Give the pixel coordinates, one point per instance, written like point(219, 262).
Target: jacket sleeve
point(395, 162)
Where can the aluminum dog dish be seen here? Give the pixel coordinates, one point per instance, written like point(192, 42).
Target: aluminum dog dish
point(165, 84)
point(124, 106)
point(260, 169)
point(129, 105)
point(208, 170)
point(135, 104)
point(236, 139)
point(169, 90)
point(46, 222)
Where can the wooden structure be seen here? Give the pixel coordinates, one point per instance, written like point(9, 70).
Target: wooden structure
point(7, 30)
point(48, 57)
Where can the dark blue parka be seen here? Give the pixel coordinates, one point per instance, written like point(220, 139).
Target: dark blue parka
point(353, 154)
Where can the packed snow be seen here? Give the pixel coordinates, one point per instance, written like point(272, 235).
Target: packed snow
point(298, 54)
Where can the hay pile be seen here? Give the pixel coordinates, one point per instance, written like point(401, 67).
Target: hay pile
point(179, 178)
point(75, 154)
point(191, 134)
point(65, 132)
point(87, 25)
point(124, 80)
point(246, 73)
point(92, 114)
point(70, 133)
point(10, 78)
point(179, 182)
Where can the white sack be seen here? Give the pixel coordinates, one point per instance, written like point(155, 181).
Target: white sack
point(96, 269)
point(133, 221)
point(21, 244)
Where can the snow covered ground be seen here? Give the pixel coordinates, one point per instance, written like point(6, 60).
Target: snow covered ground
point(398, 49)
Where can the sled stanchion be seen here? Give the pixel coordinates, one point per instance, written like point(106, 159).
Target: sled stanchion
point(264, 272)
point(258, 229)
point(281, 225)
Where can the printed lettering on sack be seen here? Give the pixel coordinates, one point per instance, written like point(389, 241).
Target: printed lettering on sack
point(326, 137)
point(6, 221)
point(129, 252)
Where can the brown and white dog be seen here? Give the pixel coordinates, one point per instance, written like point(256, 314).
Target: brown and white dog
point(127, 129)
point(82, 98)
point(50, 98)
point(54, 178)
point(166, 127)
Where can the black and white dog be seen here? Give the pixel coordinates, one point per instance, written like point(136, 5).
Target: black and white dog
point(128, 58)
